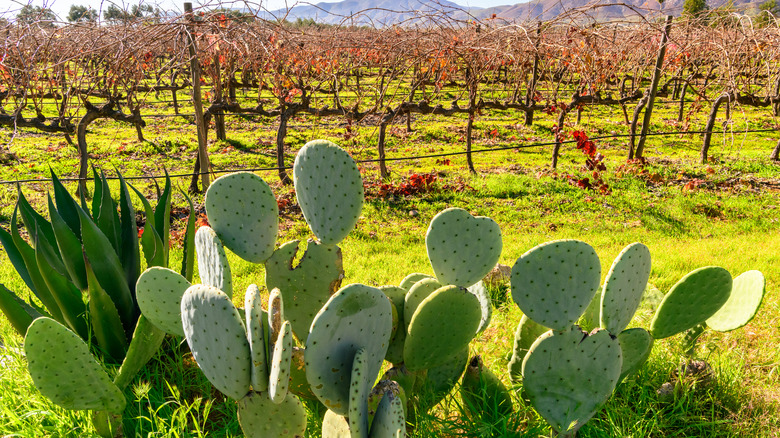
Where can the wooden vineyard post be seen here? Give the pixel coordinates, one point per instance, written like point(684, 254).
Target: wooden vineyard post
point(653, 88)
point(202, 164)
point(529, 95)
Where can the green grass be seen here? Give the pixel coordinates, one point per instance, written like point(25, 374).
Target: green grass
point(724, 213)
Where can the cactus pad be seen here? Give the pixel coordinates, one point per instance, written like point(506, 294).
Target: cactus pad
point(63, 369)
point(696, 297)
point(159, 291)
point(359, 389)
point(390, 420)
point(329, 190)
point(395, 351)
point(441, 379)
point(256, 335)
point(483, 393)
point(432, 338)
point(462, 248)
point(636, 344)
point(355, 317)
point(335, 426)
point(243, 211)
point(261, 418)
point(623, 288)
point(213, 267)
point(480, 291)
point(279, 374)
point(308, 286)
point(554, 282)
point(526, 334)
point(569, 375)
point(747, 292)
point(217, 338)
point(416, 295)
point(411, 279)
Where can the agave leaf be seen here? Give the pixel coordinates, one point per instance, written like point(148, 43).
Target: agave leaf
point(66, 206)
point(145, 342)
point(35, 223)
point(106, 217)
point(70, 248)
point(40, 289)
point(106, 321)
point(64, 292)
point(150, 240)
point(162, 215)
point(188, 259)
point(19, 313)
point(130, 255)
point(15, 256)
point(108, 270)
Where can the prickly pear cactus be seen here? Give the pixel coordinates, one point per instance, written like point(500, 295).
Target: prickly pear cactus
point(243, 212)
point(431, 339)
point(411, 279)
point(159, 291)
point(525, 335)
point(747, 292)
point(329, 190)
point(217, 338)
point(416, 295)
point(390, 420)
point(636, 345)
point(441, 379)
point(462, 248)
point(695, 298)
point(213, 267)
point(256, 328)
point(480, 291)
point(281, 358)
point(623, 288)
point(63, 369)
point(261, 418)
point(307, 286)
point(395, 351)
point(569, 375)
point(359, 389)
point(554, 282)
point(355, 317)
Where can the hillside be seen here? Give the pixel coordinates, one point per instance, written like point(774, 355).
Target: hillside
point(389, 12)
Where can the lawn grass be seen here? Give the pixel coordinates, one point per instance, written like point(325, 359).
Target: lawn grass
point(690, 215)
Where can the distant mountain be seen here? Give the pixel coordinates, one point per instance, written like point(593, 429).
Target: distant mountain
point(382, 13)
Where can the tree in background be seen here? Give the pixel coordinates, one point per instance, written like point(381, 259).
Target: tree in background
point(768, 13)
point(82, 14)
point(30, 14)
point(694, 8)
point(115, 14)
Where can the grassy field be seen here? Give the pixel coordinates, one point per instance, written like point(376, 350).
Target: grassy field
point(723, 213)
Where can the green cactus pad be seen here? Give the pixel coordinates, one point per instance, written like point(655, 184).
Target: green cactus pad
point(623, 288)
point(335, 426)
point(217, 338)
point(63, 369)
point(462, 248)
point(355, 317)
point(298, 383)
point(390, 419)
point(411, 279)
point(279, 375)
point(329, 190)
point(696, 297)
point(554, 282)
point(256, 319)
point(442, 378)
point(590, 319)
point(259, 417)
point(243, 211)
point(747, 292)
point(483, 393)
point(526, 334)
point(359, 389)
point(636, 344)
point(397, 296)
point(159, 291)
point(480, 291)
point(378, 392)
point(213, 267)
point(443, 324)
point(308, 286)
point(416, 295)
point(569, 375)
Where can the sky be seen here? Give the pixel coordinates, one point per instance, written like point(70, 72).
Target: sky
point(61, 7)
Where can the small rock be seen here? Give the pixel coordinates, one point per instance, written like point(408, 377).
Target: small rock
point(497, 276)
point(414, 213)
point(665, 392)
